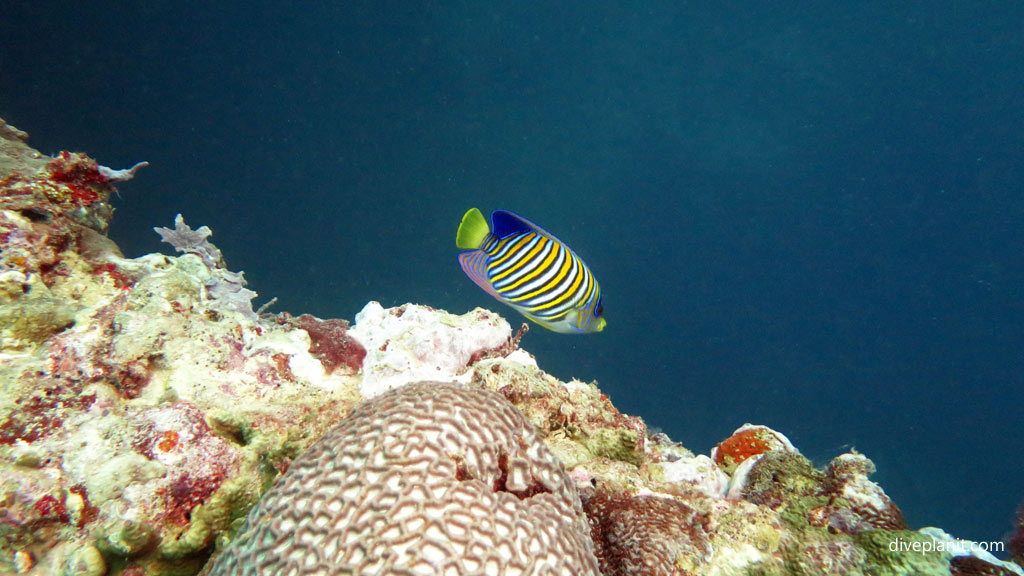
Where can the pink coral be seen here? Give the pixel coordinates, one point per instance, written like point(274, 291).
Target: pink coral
point(331, 343)
point(42, 413)
point(197, 461)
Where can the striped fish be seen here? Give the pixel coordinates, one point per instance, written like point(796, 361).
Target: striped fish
point(524, 266)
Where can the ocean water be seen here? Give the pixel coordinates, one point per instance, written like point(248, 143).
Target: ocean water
point(804, 215)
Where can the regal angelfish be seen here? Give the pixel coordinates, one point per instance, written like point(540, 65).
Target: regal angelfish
point(524, 266)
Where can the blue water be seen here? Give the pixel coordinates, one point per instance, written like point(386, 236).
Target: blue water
point(806, 215)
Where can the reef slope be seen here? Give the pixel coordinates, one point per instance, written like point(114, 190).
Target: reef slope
point(145, 408)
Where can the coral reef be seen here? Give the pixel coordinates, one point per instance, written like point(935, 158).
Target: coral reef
point(1015, 545)
point(646, 534)
point(146, 407)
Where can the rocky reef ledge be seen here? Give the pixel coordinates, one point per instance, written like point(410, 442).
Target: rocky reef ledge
point(146, 407)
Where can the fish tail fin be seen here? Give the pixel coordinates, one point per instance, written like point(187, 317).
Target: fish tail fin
point(473, 230)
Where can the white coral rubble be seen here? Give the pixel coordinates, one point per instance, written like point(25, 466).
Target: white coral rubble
point(411, 343)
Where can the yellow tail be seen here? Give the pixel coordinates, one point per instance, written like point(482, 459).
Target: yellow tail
point(473, 230)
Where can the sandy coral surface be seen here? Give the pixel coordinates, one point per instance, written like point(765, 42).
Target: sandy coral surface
point(145, 407)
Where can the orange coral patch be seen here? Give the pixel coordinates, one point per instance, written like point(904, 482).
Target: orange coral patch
point(168, 441)
point(740, 446)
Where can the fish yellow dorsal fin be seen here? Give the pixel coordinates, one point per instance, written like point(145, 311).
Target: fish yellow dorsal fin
point(472, 231)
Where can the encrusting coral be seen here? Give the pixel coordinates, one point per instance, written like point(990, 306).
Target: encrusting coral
point(646, 534)
point(146, 407)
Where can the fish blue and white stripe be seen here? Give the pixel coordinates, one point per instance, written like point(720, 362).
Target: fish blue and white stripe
point(527, 268)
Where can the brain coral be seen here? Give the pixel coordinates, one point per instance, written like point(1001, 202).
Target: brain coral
point(429, 478)
point(647, 535)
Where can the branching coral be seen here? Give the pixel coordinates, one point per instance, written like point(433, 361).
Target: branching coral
point(184, 239)
point(225, 287)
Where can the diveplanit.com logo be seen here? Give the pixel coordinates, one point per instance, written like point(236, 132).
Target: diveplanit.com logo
point(954, 547)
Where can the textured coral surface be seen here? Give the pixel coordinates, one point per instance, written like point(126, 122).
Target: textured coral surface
point(430, 478)
point(145, 408)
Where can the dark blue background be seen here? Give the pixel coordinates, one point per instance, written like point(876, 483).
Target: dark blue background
point(806, 215)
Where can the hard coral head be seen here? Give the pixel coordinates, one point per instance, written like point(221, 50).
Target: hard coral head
point(430, 478)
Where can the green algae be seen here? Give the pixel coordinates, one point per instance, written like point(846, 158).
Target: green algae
point(29, 313)
point(230, 503)
point(615, 443)
point(125, 538)
point(795, 512)
point(884, 558)
point(781, 476)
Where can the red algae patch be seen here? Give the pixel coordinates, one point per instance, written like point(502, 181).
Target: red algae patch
point(331, 343)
